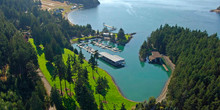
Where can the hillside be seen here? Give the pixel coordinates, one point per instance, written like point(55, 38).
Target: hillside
point(86, 3)
point(195, 84)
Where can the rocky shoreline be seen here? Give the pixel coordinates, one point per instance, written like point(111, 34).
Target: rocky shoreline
point(216, 10)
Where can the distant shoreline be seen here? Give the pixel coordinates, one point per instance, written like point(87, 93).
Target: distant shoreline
point(215, 10)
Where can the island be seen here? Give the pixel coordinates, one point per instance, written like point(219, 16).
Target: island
point(217, 10)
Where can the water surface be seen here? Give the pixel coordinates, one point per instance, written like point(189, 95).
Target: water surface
point(139, 81)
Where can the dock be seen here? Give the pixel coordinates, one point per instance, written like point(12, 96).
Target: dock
point(87, 48)
point(111, 27)
point(113, 49)
point(114, 60)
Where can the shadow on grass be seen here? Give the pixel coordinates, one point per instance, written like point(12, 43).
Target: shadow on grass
point(69, 103)
point(50, 68)
point(40, 51)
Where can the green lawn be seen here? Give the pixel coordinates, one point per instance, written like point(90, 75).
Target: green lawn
point(126, 36)
point(113, 96)
point(76, 40)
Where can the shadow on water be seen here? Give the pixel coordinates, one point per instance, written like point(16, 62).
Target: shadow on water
point(50, 68)
point(142, 63)
point(161, 67)
point(121, 47)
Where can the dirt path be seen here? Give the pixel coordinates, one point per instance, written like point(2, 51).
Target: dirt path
point(165, 89)
point(46, 85)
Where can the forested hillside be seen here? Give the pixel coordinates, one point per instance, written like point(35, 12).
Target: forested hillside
point(195, 83)
point(20, 86)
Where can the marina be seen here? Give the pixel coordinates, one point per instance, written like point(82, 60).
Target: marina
point(113, 49)
point(114, 60)
point(139, 81)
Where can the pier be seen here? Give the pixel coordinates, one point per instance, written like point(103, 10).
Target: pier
point(114, 49)
point(111, 27)
point(87, 48)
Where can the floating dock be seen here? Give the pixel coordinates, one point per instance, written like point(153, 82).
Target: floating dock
point(114, 60)
point(106, 46)
point(111, 27)
point(87, 48)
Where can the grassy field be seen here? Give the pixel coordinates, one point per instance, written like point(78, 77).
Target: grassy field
point(127, 36)
point(51, 5)
point(113, 97)
point(76, 39)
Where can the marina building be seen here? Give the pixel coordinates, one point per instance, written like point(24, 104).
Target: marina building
point(114, 60)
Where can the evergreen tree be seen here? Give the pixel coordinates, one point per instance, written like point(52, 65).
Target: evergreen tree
point(101, 106)
point(102, 86)
point(60, 70)
point(123, 106)
point(56, 98)
point(84, 96)
point(121, 37)
point(80, 57)
point(4, 50)
point(48, 51)
point(35, 102)
point(69, 73)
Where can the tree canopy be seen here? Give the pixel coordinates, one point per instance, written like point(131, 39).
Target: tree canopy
point(195, 82)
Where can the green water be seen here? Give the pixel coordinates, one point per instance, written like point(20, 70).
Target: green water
point(138, 81)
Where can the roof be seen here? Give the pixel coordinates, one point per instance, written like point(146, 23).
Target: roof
point(114, 58)
point(155, 54)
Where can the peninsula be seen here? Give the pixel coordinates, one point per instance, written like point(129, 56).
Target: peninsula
point(217, 10)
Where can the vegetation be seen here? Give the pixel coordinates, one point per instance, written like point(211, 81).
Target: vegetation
point(121, 39)
point(218, 8)
point(143, 52)
point(86, 3)
point(20, 86)
point(113, 97)
point(196, 80)
point(153, 105)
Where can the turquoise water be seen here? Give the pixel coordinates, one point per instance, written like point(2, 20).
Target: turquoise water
point(139, 81)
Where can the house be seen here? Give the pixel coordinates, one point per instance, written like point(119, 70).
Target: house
point(155, 57)
point(73, 7)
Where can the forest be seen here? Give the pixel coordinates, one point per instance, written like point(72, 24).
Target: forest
point(195, 83)
point(21, 87)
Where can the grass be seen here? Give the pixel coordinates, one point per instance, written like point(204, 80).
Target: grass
point(127, 36)
point(113, 96)
point(51, 5)
point(76, 39)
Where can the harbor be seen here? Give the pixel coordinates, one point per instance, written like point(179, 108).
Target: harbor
point(114, 60)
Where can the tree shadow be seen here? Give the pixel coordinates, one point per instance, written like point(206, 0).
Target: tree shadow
point(40, 51)
point(62, 50)
point(69, 103)
point(50, 68)
point(121, 47)
point(142, 63)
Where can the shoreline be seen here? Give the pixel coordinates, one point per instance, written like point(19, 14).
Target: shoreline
point(161, 96)
point(119, 90)
point(164, 91)
point(215, 10)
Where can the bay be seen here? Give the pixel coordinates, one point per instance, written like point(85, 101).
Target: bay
point(139, 81)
